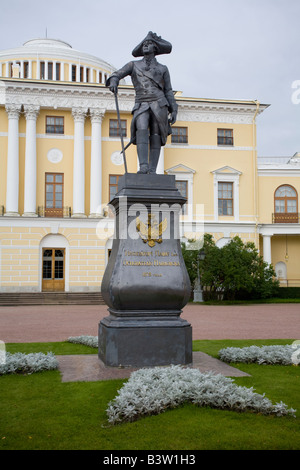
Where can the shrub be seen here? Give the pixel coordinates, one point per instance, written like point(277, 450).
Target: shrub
point(235, 271)
point(152, 391)
point(28, 363)
point(277, 354)
point(91, 341)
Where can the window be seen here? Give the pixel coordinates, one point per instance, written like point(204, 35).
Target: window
point(54, 185)
point(50, 70)
point(225, 136)
point(113, 185)
point(114, 130)
point(42, 70)
point(57, 71)
point(225, 198)
point(182, 186)
point(54, 125)
point(26, 69)
point(81, 74)
point(179, 135)
point(286, 204)
point(73, 73)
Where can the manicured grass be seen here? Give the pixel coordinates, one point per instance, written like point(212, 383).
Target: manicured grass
point(38, 411)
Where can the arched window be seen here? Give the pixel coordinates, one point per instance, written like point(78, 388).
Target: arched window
point(286, 204)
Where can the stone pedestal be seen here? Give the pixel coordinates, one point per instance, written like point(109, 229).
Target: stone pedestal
point(146, 284)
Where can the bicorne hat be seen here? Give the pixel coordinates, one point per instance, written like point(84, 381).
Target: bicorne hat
point(163, 47)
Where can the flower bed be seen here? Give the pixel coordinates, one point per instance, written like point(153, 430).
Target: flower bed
point(28, 363)
point(91, 341)
point(277, 354)
point(152, 391)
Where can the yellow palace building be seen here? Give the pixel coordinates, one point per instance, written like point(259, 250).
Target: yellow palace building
point(60, 162)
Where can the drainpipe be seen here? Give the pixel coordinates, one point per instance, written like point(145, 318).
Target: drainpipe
point(254, 156)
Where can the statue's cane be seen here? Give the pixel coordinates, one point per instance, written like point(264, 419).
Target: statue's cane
point(121, 134)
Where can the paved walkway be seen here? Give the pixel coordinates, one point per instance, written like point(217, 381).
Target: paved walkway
point(59, 322)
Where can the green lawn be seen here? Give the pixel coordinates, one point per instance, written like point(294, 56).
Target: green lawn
point(38, 411)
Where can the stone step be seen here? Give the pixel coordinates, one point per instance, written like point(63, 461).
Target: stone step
point(50, 298)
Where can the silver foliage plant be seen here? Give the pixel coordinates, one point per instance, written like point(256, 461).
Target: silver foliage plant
point(91, 341)
point(276, 354)
point(28, 363)
point(152, 391)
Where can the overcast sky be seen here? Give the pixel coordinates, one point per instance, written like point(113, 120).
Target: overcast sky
point(230, 49)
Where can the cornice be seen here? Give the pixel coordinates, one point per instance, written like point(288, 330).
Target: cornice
point(65, 95)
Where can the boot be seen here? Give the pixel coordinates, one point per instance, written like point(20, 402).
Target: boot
point(155, 145)
point(142, 143)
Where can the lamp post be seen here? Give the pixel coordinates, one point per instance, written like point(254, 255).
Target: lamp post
point(198, 294)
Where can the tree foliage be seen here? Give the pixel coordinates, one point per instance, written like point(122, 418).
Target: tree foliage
point(234, 271)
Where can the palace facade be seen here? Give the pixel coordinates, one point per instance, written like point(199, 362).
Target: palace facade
point(60, 162)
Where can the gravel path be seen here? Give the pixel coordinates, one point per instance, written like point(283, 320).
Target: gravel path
point(59, 322)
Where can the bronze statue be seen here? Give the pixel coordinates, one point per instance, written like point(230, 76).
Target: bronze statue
point(154, 100)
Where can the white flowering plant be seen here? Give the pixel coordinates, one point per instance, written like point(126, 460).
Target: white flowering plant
point(87, 340)
point(154, 390)
point(276, 354)
point(28, 363)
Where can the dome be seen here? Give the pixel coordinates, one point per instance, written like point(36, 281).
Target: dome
point(52, 59)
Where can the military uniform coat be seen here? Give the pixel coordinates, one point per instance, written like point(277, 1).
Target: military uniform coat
point(153, 90)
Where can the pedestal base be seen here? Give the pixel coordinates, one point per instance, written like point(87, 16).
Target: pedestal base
point(140, 342)
point(146, 284)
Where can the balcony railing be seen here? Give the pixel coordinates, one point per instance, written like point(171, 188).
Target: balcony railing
point(285, 218)
point(289, 282)
point(46, 212)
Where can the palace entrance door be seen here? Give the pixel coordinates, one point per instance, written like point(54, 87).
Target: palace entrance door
point(53, 273)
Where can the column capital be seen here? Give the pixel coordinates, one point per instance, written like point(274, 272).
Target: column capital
point(79, 114)
point(97, 114)
point(31, 111)
point(13, 110)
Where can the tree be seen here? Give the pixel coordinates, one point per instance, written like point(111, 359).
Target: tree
point(236, 270)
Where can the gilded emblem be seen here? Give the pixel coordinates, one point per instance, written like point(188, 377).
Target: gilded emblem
point(151, 232)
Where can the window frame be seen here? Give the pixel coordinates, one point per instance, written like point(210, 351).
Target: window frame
point(184, 207)
point(223, 140)
point(175, 138)
point(222, 214)
point(115, 131)
point(286, 216)
point(54, 211)
point(55, 125)
point(112, 185)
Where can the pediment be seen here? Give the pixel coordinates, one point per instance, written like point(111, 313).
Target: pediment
point(180, 168)
point(227, 170)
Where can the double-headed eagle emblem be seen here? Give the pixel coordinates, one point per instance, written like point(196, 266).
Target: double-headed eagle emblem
point(151, 232)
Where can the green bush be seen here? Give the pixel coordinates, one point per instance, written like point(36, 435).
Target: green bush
point(235, 271)
point(288, 293)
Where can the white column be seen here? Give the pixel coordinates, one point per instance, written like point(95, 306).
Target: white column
point(96, 163)
point(161, 162)
point(38, 69)
point(22, 69)
point(267, 248)
point(54, 70)
point(12, 188)
point(31, 113)
point(79, 163)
